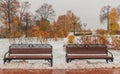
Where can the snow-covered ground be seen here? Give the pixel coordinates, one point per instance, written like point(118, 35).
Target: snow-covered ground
point(58, 58)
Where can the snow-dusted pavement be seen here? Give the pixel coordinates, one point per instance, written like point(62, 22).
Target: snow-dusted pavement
point(58, 59)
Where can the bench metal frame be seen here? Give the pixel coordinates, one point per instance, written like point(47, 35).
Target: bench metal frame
point(5, 59)
point(86, 45)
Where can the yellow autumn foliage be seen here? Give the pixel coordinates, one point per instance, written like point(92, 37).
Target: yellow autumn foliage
point(113, 20)
point(114, 26)
point(55, 37)
point(71, 39)
point(113, 16)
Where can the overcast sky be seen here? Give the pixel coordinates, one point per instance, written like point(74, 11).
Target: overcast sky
point(87, 10)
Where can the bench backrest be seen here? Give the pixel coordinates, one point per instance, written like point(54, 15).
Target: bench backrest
point(86, 49)
point(30, 49)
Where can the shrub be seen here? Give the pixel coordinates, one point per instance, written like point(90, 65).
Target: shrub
point(101, 31)
point(71, 39)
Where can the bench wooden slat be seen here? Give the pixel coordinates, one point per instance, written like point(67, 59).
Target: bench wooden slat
point(30, 57)
point(83, 50)
point(31, 51)
point(89, 57)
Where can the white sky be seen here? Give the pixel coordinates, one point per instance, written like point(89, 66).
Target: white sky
point(87, 10)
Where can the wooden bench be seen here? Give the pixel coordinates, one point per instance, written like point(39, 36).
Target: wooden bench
point(29, 51)
point(83, 51)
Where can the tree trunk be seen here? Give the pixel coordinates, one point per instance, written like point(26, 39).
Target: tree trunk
point(9, 17)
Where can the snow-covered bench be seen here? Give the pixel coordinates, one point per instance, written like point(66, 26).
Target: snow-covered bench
point(29, 52)
point(84, 51)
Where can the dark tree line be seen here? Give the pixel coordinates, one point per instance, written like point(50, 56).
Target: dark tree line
point(8, 9)
point(12, 11)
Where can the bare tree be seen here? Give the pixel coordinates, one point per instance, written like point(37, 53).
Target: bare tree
point(22, 11)
point(104, 14)
point(8, 10)
point(27, 18)
point(45, 12)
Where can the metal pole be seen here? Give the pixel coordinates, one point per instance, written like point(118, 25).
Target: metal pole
point(26, 24)
point(74, 28)
point(108, 19)
point(85, 24)
point(9, 16)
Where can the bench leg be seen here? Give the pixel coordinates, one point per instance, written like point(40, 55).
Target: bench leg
point(48, 60)
point(67, 60)
point(5, 61)
point(9, 60)
point(51, 62)
point(107, 60)
point(70, 60)
point(112, 59)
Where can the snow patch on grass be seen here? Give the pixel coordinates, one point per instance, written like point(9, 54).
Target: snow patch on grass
point(58, 58)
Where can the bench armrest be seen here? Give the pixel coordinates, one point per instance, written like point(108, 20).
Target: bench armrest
point(110, 53)
point(6, 54)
